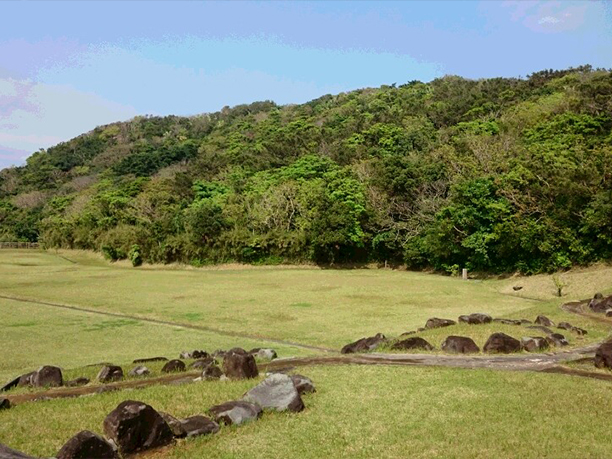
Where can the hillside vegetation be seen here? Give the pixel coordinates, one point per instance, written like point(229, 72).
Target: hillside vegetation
point(497, 174)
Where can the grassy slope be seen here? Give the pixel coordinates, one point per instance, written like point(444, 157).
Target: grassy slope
point(308, 305)
point(363, 412)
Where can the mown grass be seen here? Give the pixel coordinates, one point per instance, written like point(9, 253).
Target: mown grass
point(312, 306)
point(363, 412)
point(35, 335)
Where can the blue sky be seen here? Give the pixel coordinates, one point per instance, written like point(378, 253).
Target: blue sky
point(66, 67)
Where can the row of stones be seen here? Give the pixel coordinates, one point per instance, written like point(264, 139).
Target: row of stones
point(497, 342)
point(135, 426)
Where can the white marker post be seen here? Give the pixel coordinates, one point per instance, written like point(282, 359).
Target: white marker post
point(464, 274)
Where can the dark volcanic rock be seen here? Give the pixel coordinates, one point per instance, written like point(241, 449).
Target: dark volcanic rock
point(364, 344)
point(435, 322)
point(601, 304)
point(48, 376)
point(408, 333)
point(603, 356)
point(276, 392)
point(5, 403)
point(200, 364)
point(545, 321)
point(239, 364)
point(534, 343)
point(199, 354)
point(199, 425)
point(476, 318)
point(81, 381)
point(516, 288)
point(136, 426)
point(508, 321)
point(140, 370)
point(502, 344)
point(237, 412)
point(10, 453)
point(110, 373)
point(212, 372)
point(174, 366)
point(460, 344)
point(557, 339)
point(219, 353)
point(303, 384)
point(11, 384)
point(412, 343)
point(151, 359)
point(87, 445)
point(570, 327)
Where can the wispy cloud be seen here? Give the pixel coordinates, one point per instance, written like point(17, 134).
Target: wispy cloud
point(548, 16)
point(35, 115)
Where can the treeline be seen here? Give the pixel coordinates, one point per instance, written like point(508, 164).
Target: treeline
point(497, 174)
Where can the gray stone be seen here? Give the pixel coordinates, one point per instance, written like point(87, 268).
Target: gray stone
point(263, 354)
point(436, 322)
point(140, 370)
point(460, 345)
point(276, 392)
point(110, 373)
point(303, 384)
point(236, 412)
point(199, 425)
point(534, 343)
point(476, 318)
point(48, 376)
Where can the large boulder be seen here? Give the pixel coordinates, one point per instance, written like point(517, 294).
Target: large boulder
point(534, 343)
point(87, 445)
point(136, 426)
point(263, 354)
point(110, 373)
point(364, 344)
point(139, 371)
point(502, 344)
point(10, 453)
point(276, 392)
point(237, 412)
point(436, 322)
point(5, 403)
point(48, 376)
point(412, 343)
point(545, 321)
point(460, 344)
point(557, 339)
point(174, 366)
point(476, 318)
point(239, 364)
point(303, 384)
point(199, 425)
point(603, 356)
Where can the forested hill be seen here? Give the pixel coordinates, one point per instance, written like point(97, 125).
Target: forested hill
point(497, 174)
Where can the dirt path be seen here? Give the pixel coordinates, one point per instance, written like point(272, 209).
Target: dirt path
point(547, 363)
point(168, 323)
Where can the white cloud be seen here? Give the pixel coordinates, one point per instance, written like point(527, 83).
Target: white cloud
point(36, 115)
point(548, 20)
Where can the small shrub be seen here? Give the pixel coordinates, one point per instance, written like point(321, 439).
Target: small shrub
point(135, 256)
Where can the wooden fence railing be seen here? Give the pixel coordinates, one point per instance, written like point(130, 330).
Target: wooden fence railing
point(19, 245)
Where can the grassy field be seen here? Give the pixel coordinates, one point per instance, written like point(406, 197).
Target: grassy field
point(364, 412)
point(357, 411)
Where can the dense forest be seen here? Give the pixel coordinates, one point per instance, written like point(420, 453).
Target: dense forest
point(501, 174)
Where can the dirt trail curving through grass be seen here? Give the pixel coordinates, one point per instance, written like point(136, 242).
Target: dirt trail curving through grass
point(546, 362)
point(168, 323)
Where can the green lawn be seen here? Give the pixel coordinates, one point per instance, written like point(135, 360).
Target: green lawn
point(307, 305)
point(364, 412)
point(358, 411)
